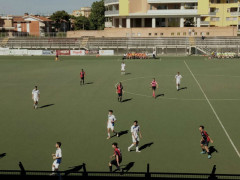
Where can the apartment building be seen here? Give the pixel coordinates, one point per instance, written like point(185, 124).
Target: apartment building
point(171, 13)
point(84, 11)
point(6, 24)
point(31, 25)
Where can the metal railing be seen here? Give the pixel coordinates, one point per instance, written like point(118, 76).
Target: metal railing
point(115, 43)
point(110, 1)
point(113, 12)
point(123, 175)
point(27, 35)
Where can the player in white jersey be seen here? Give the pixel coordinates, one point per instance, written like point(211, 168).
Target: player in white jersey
point(57, 157)
point(123, 66)
point(110, 124)
point(136, 135)
point(35, 97)
point(178, 78)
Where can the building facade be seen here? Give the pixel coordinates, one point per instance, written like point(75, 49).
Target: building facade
point(172, 13)
point(6, 24)
point(31, 25)
point(85, 11)
point(26, 25)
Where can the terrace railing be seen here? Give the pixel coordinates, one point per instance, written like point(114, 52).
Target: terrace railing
point(110, 1)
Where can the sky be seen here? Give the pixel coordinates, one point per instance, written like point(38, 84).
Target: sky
point(42, 7)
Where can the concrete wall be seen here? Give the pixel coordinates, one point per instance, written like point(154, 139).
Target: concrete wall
point(203, 7)
point(156, 32)
point(138, 6)
point(123, 7)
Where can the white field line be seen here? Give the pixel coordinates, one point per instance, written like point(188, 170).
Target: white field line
point(220, 122)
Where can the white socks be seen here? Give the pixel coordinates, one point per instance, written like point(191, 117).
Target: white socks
point(131, 146)
point(108, 134)
point(53, 168)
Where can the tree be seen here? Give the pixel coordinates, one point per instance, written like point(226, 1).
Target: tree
point(61, 20)
point(81, 23)
point(97, 16)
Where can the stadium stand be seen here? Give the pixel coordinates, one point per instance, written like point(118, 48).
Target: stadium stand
point(187, 45)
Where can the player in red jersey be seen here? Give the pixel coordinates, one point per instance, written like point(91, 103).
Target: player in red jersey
point(120, 91)
point(57, 58)
point(154, 86)
point(118, 157)
point(82, 76)
point(205, 141)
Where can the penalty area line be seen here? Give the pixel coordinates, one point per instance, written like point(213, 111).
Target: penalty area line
point(214, 112)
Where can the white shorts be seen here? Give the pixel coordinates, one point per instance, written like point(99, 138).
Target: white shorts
point(134, 140)
point(110, 126)
point(35, 99)
point(178, 82)
point(55, 164)
point(122, 69)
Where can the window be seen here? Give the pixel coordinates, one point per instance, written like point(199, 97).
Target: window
point(178, 33)
point(161, 34)
point(172, 34)
point(231, 18)
point(149, 34)
point(215, 19)
point(184, 33)
point(207, 33)
point(156, 34)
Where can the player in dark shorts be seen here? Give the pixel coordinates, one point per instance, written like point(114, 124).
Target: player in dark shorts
point(57, 58)
point(82, 76)
point(154, 86)
point(118, 157)
point(120, 92)
point(205, 141)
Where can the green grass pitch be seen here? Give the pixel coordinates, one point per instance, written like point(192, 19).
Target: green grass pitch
point(78, 117)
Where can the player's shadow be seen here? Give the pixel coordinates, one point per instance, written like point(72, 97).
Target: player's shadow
point(89, 83)
point(128, 73)
point(122, 133)
point(146, 146)
point(3, 155)
point(45, 106)
point(183, 88)
point(75, 169)
point(125, 168)
point(126, 100)
point(159, 95)
point(212, 149)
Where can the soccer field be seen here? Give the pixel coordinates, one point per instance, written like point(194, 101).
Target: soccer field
point(77, 115)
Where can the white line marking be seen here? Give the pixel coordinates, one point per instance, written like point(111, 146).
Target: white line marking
point(182, 99)
point(220, 122)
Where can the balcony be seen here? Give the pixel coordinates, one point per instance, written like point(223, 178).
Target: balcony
point(172, 12)
point(112, 13)
point(110, 2)
point(172, 1)
point(213, 13)
point(235, 13)
point(205, 23)
point(7, 28)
